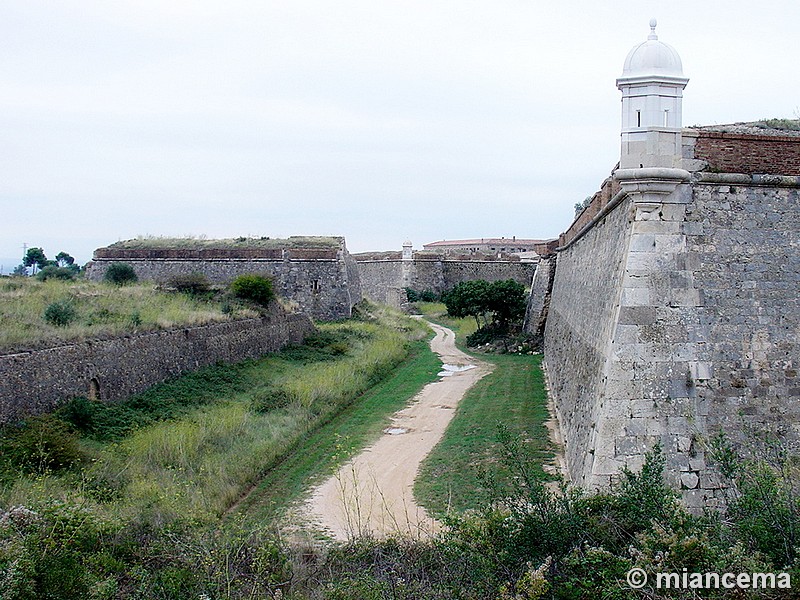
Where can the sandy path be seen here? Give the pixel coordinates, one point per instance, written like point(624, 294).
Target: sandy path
point(372, 493)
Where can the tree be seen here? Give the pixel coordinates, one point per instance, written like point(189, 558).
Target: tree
point(64, 260)
point(468, 299)
point(507, 300)
point(35, 258)
point(20, 269)
point(54, 272)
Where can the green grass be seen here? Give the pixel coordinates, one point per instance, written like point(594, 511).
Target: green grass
point(319, 453)
point(101, 310)
point(455, 475)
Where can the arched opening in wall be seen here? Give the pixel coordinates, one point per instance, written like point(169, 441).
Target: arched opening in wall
point(315, 286)
point(94, 389)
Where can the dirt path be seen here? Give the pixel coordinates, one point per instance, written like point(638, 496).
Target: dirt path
point(373, 492)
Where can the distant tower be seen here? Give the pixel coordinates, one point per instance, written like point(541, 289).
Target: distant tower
point(652, 86)
point(407, 248)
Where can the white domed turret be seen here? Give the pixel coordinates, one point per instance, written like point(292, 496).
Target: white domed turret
point(652, 57)
point(652, 84)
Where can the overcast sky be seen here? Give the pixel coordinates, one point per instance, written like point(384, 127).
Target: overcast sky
point(377, 120)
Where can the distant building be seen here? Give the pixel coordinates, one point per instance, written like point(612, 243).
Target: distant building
point(502, 245)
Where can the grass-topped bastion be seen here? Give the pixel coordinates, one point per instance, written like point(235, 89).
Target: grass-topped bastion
point(315, 272)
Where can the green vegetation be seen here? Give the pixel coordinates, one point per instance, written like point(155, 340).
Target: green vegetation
point(413, 295)
point(54, 272)
point(129, 495)
point(60, 313)
point(783, 124)
point(120, 274)
point(36, 313)
point(253, 288)
point(505, 301)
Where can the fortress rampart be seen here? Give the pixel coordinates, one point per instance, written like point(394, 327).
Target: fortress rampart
point(673, 315)
point(112, 369)
point(322, 280)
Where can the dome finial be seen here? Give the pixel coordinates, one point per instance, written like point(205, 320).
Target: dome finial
point(653, 35)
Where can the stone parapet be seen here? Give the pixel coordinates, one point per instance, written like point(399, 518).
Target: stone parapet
point(112, 369)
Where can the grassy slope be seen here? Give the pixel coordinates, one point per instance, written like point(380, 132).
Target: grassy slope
point(219, 441)
point(514, 396)
point(101, 310)
point(319, 453)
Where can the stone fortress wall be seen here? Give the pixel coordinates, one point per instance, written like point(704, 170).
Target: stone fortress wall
point(318, 274)
point(385, 276)
point(112, 369)
point(673, 314)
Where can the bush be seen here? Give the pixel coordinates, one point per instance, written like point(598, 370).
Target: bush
point(253, 288)
point(42, 444)
point(424, 296)
point(54, 272)
point(120, 274)
point(193, 284)
point(60, 313)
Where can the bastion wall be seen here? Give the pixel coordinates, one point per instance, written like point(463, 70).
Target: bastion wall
point(673, 317)
point(38, 381)
point(324, 283)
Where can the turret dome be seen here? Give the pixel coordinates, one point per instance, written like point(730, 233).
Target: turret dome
point(652, 58)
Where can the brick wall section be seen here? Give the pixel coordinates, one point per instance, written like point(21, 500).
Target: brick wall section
point(749, 154)
point(36, 382)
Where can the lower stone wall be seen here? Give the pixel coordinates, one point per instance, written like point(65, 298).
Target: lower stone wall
point(381, 280)
point(744, 248)
point(36, 382)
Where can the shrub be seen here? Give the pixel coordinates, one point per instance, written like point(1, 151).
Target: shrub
point(253, 288)
point(60, 313)
point(193, 284)
point(120, 274)
point(42, 444)
point(54, 272)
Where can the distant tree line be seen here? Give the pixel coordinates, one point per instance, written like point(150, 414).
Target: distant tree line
point(35, 262)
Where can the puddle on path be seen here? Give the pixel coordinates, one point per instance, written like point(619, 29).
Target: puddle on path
point(448, 370)
point(395, 430)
